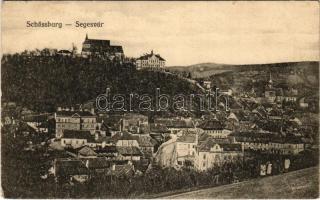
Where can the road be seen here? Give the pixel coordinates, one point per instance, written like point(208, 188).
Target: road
point(298, 184)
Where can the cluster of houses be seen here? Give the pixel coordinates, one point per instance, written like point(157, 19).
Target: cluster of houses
point(132, 142)
point(129, 143)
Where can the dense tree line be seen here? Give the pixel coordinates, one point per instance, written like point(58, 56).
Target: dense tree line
point(44, 82)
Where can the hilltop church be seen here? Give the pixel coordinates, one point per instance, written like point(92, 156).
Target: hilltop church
point(101, 48)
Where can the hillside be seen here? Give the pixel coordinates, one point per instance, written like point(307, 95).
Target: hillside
point(204, 70)
point(43, 83)
point(303, 76)
point(297, 184)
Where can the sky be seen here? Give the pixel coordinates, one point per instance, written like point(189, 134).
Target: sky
point(184, 33)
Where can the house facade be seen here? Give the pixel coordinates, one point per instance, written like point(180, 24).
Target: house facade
point(215, 129)
point(74, 120)
point(75, 138)
point(151, 61)
point(212, 154)
point(186, 148)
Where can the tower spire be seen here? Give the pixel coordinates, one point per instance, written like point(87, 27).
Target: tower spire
point(86, 36)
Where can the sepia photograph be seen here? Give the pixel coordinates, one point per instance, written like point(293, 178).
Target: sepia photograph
point(160, 99)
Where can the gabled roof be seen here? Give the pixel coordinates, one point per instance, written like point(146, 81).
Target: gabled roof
point(233, 116)
point(147, 56)
point(86, 151)
point(97, 42)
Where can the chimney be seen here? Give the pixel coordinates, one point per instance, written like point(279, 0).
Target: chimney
point(113, 167)
point(72, 109)
point(92, 111)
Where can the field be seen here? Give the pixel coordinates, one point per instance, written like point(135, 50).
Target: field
point(298, 184)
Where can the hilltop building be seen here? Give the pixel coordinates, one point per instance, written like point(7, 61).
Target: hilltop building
point(100, 48)
point(150, 61)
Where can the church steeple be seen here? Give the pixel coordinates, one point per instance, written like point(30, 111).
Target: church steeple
point(86, 36)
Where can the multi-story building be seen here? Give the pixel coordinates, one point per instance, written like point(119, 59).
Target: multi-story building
point(133, 122)
point(100, 48)
point(185, 148)
point(151, 61)
point(211, 153)
point(215, 129)
point(75, 138)
point(268, 142)
point(74, 120)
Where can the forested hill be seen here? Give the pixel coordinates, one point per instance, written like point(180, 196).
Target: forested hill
point(43, 82)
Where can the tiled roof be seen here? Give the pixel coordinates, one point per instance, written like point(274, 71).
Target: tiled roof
point(129, 151)
point(120, 170)
point(212, 125)
point(77, 134)
point(35, 118)
point(208, 144)
point(107, 150)
point(116, 49)
point(188, 138)
point(98, 163)
point(124, 135)
point(97, 42)
point(174, 123)
point(145, 57)
point(86, 151)
point(145, 141)
point(71, 113)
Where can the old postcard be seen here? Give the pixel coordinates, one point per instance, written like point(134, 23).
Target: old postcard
point(160, 99)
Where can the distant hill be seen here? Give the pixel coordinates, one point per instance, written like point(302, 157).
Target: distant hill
point(204, 70)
